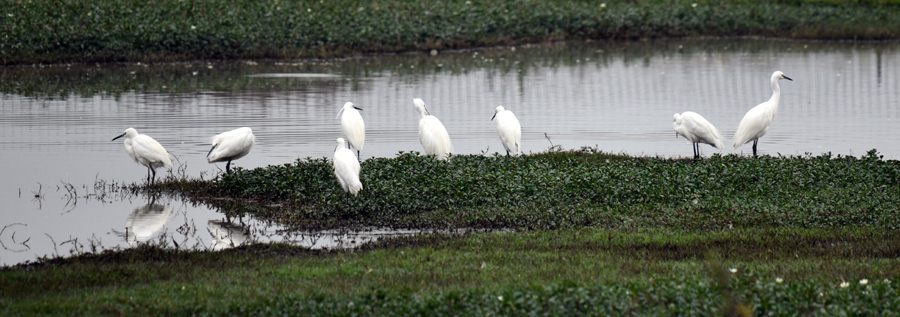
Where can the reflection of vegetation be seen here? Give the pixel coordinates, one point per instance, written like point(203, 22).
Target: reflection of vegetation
point(585, 271)
point(63, 81)
point(120, 30)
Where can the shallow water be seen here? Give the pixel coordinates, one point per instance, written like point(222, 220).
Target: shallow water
point(58, 121)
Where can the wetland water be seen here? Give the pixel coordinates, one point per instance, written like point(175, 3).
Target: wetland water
point(58, 121)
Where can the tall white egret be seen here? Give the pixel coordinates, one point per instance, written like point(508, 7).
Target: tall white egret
point(231, 145)
point(756, 122)
point(353, 125)
point(432, 134)
point(346, 168)
point(695, 128)
point(145, 151)
point(509, 129)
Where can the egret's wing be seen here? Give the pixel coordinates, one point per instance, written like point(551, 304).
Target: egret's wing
point(703, 131)
point(754, 124)
point(346, 169)
point(148, 151)
point(434, 137)
point(510, 131)
point(354, 128)
point(232, 145)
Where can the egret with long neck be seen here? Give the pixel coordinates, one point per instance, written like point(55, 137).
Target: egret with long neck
point(756, 122)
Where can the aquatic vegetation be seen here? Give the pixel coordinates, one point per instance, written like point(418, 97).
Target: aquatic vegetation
point(573, 189)
point(119, 30)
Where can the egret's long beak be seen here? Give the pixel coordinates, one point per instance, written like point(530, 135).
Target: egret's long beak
point(357, 108)
point(210, 151)
point(116, 138)
point(494, 116)
point(786, 77)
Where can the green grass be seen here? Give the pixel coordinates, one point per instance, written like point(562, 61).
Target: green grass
point(580, 232)
point(574, 189)
point(120, 30)
point(586, 270)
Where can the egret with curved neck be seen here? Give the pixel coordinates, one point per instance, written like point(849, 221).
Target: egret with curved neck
point(756, 122)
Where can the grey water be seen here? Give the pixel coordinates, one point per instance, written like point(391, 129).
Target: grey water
point(58, 121)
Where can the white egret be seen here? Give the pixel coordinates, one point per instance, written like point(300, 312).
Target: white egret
point(432, 134)
point(145, 151)
point(231, 145)
point(695, 128)
point(346, 168)
point(509, 129)
point(353, 125)
point(756, 122)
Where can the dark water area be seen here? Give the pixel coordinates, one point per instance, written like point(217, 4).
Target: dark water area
point(58, 121)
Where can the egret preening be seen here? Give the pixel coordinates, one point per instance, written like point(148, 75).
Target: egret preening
point(353, 125)
point(231, 145)
point(145, 151)
point(695, 128)
point(509, 129)
point(756, 122)
point(432, 134)
point(346, 168)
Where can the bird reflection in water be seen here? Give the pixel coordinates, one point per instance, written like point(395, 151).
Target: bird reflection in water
point(145, 221)
point(227, 234)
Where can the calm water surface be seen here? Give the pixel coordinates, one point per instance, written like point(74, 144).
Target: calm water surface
point(58, 121)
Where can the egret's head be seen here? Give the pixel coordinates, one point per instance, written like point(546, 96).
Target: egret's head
point(779, 75)
point(420, 106)
point(497, 110)
point(340, 144)
point(130, 133)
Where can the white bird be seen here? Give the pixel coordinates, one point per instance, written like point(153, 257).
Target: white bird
point(353, 125)
point(231, 145)
point(509, 129)
point(756, 122)
point(432, 134)
point(695, 128)
point(346, 168)
point(145, 151)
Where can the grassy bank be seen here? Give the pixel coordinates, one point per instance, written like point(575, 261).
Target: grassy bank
point(777, 271)
point(572, 189)
point(591, 233)
point(119, 30)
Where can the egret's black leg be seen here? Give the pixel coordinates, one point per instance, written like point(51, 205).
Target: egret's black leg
point(228, 167)
point(696, 148)
point(507, 153)
point(754, 146)
point(357, 156)
point(153, 179)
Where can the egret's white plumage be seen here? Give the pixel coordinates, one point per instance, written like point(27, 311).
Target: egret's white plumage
point(353, 126)
point(346, 168)
point(145, 151)
point(231, 145)
point(697, 129)
point(432, 134)
point(509, 129)
point(756, 122)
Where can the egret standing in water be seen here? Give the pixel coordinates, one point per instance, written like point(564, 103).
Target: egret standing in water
point(145, 151)
point(346, 168)
point(756, 122)
point(432, 134)
point(509, 129)
point(353, 125)
point(231, 145)
point(695, 128)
